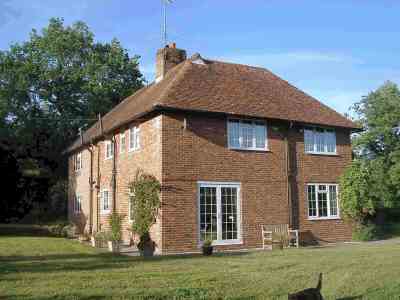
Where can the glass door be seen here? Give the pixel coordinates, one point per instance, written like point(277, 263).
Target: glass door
point(219, 212)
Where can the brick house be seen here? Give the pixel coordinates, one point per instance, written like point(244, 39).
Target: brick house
point(234, 147)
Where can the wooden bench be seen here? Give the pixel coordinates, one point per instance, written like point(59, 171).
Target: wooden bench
point(272, 234)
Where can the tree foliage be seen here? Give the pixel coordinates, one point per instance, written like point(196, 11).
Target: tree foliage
point(55, 83)
point(373, 180)
point(145, 202)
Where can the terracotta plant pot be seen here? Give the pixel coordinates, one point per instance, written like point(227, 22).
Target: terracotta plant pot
point(207, 250)
point(113, 246)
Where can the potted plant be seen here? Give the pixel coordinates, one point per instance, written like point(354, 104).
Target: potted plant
point(207, 247)
point(98, 239)
point(114, 237)
point(144, 199)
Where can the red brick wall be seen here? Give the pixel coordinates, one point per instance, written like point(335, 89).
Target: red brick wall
point(200, 153)
point(321, 169)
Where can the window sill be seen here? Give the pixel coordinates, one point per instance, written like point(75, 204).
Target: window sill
point(322, 153)
point(224, 243)
point(324, 218)
point(249, 149)
point(133, 150)
point(105, 212)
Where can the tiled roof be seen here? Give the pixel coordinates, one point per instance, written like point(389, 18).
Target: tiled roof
point(224, 88)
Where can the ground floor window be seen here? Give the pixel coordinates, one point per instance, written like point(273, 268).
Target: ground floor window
point(219, 212)
point(105, 201)
point(77, 205)
point(322, 201)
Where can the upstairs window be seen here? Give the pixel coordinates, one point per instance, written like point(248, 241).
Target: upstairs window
point(319, 141)
point(122, 143)
point(109, 151)
point(247, 135)
point(78, 161)
point(77, 205)
point(134, 138)
point(322, 201)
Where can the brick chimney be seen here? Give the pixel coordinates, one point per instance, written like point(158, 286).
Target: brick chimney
point(167, 58)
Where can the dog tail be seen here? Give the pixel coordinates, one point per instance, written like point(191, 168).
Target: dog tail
point(319, 286)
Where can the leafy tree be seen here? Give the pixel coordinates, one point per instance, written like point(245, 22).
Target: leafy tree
point(373, 180)
point(55, 83)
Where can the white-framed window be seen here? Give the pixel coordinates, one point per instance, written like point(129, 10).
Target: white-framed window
point(122, 143)
point(105, 203)
point(109, 149)
point(247, 134)
point(134, 138)
point(323, 202)
point(319, 140)
point(78, 164)
point(77, 205)
point(219, 212)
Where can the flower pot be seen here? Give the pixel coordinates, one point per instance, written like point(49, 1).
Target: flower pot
point(113, 246)
point(207, 250)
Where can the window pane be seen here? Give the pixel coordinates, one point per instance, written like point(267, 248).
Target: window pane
point(320, 140)
point(322, 201)
point(260, 135)
point(122, 143)
point(229, 213)
point(308, 140)
point(233, 133)
point(137, 138)
point(208, 213)
point(312, 204)
point(333, 200)
point(330, 139)
point(105, 200)
point(131, 138)
point(247, 134)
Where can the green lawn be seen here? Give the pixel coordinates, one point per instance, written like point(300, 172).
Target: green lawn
point(56, 268)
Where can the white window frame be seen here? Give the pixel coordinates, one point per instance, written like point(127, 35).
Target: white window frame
point(314, 136)
point(102, 210)
point(77, 204)
point(329, 217)
point(106, 144)
point(78, 166)
point(218, 186)
point(122, 148)
point(133, 146)
point(253, 148)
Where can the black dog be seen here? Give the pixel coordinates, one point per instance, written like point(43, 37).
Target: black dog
point(309, 294)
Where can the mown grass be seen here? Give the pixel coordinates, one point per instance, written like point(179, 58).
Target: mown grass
point(54, 268)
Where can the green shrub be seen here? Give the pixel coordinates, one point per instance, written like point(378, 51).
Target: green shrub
point(116, 227)
point(366, 232)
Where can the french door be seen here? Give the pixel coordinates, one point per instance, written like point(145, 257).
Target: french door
point(219, 212)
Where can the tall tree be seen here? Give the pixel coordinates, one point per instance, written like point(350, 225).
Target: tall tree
point(55, 83)
point(374, 180)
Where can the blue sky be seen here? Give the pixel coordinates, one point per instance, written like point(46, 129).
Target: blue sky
point(337, 51)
